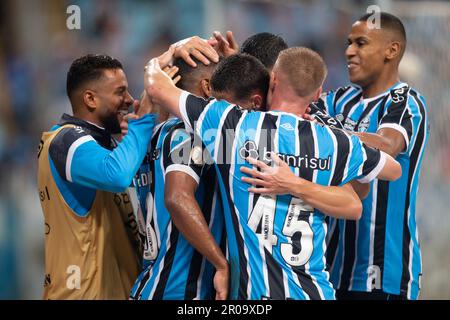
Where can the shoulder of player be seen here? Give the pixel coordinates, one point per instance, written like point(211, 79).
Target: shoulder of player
point(339, 90)
point(407, 96)
point(176, 133)
point(66, 138)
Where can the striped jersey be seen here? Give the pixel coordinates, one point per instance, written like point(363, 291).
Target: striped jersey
point(276, 245)
point(381, 250)
point(173, 269)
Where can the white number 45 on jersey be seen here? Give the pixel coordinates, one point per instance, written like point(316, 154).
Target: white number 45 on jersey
point(296, 229)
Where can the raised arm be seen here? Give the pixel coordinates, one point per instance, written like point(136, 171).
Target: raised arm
point(87, 163)
point(160, 88)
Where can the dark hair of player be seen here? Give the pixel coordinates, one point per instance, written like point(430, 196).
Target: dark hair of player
point(190, 76)
point(87, 68)
point(390, 23)
point(240, 75)
point(265, 47)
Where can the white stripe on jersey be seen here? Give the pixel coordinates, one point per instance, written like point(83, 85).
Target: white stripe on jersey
point(355, 107)
point(334, 153)
point(286, 284)
point(264, 268)
point(161, 264)
point(231, 180)
point(311, 216)
point(374, 188)
point(324, 225)
point(411, 248)
point(182, 107)
point(314, 280)
point(375, 171)
point(183, 168)
point(257, 137)
point(71, 152)
point(350, 90)
point(297, 173)
point(350, 149)
point(316, 150)
point(415, 134)
point(219, 131)
point(364, 158)
point(203, 114)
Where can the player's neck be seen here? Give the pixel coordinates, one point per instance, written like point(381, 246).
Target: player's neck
point(88, 117)
point(295, 106)
point(285, 99)
point(385, 81)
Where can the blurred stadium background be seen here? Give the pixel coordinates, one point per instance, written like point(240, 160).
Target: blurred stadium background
point(36, 50)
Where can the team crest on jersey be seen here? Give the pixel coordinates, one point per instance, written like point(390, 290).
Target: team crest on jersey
point(348, 124)
point(364, 124)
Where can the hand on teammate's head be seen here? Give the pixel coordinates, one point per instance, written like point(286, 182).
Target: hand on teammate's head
point(225, 47)
point(172, 73)
point(196, 47)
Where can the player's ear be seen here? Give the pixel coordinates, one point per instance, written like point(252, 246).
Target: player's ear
point(205, 88)
point(393, 50)
point(257, 101)
point(89, 99)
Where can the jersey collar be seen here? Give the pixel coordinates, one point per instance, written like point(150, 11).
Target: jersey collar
point(100, 134)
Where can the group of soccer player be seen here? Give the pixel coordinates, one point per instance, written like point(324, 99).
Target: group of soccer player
point(251, 184)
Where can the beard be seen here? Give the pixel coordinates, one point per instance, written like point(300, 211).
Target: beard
point(112, 123)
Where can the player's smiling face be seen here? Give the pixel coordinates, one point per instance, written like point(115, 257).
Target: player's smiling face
point(365, 54)
point(114, 99)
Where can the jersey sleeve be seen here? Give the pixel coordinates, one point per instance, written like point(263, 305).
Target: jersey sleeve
point(184, 153)
point(199, 114)
point(79, 159)
point(399, 115)
point(323, 118)
point(353, 159)
point(364, 163)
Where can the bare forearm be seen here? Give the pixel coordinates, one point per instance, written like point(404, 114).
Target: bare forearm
point(361, 189)
point(339, 202)
point(189, 220)
point(380, 142)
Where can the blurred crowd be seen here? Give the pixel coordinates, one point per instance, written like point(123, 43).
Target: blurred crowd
point(36, 50)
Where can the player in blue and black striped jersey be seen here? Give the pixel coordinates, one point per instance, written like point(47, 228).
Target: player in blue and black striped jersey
point(181, 190)
point(379, 257)
point(276, 244)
